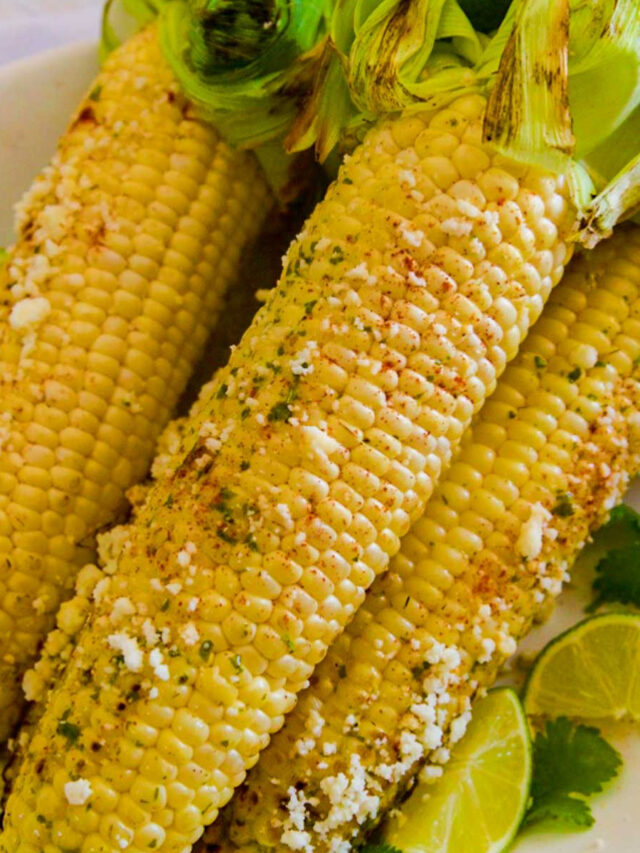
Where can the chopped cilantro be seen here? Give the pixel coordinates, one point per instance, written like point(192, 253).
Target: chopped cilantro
point(564, 506)
point(617, 577)
point(575, 374)
point(418, 671)
point(4, 256)
point(279, 412)
point(169, 501)
point(226, 537)
point(286, 639)
point(222, 391)
point(308, 306)
point(337, 256)
point(569, 763)
point(94, 94)
point(236, 662)
point(539, 362)
point(205, 649)
point(69, 730)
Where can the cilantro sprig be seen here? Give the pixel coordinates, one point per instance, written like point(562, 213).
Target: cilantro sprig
point(617, 576)
point(570, 762)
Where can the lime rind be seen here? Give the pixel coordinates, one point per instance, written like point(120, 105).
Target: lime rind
point(490, 765)
point(590, 671)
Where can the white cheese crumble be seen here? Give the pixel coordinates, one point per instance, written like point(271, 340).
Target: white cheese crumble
point(413, 238)
point(183, 558)
point(121, 607)
point(349, 798)
point(529, 543)
point(29, 312)
point(189, 634)
point(293, 836)
point(456, 227)
point(459, 726)
point(160, 669)
point(78, 792)
point(128, 647)
point(407, 177)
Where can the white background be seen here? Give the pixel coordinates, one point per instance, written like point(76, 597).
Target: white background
point(30, 26)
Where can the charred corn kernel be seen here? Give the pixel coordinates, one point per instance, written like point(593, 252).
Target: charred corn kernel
point(374, 290)
point(484, 561)
point(126, 244)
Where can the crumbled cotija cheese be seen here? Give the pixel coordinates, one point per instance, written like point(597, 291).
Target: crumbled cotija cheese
point(29, 312)
point(128, 646)
point(78, 792)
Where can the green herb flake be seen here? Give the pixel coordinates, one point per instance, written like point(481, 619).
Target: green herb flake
point(69, 730)
point(226, 537)
point(419, 670)
point(309, 306)
point(286, 639)
point(539, 362)
point(222, 391)
point(575, 374)
point(236, 663)
point(205, 649)
point(564, 506)
point(279, 412)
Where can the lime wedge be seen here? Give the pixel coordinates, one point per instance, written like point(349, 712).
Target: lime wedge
point(479, 802)
point(591, 671)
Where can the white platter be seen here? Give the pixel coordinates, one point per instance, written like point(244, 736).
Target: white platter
point(38, 97)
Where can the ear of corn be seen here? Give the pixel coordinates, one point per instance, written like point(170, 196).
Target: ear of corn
point(126, 244)
point(549, 455)
point(400, 303)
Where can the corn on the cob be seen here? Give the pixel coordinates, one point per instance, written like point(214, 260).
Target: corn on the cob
point(126, 244)
point(548, 456)
point(411, 286)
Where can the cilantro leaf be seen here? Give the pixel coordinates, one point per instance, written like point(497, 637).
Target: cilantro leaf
point(4, 257)
point(569, 760)
point(571, 810)
point(624, 514)
point(617, 578)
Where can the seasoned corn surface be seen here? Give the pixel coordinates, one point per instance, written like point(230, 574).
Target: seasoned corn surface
point(126, 244)
point(550, 454)
point(400, 303)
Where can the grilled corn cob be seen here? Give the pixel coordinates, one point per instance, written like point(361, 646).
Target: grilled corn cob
point(126, 244)
point(400, 303)
point(549, 455)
